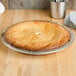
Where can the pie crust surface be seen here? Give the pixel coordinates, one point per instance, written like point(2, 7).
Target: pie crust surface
point(37, 35)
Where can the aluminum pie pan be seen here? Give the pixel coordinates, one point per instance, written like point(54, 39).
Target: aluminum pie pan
point(39, 52)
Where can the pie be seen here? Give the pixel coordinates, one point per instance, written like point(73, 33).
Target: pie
point(37, 35)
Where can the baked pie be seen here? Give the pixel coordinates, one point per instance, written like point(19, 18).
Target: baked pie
point(37, 35)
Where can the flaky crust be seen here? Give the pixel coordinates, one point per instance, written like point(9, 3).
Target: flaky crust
point(37, 35)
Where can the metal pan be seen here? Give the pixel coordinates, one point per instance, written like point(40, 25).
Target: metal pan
point(39, 52)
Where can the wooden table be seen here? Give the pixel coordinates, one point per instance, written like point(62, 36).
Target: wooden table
point(13, 63)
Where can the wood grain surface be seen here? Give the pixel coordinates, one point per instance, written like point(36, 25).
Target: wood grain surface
point(13, 63)
point(34, 4)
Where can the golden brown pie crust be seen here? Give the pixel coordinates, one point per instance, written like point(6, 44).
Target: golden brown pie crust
point(37, 35)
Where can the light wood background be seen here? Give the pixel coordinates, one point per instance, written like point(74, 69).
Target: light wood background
point(13, 63)
point(34, 4)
